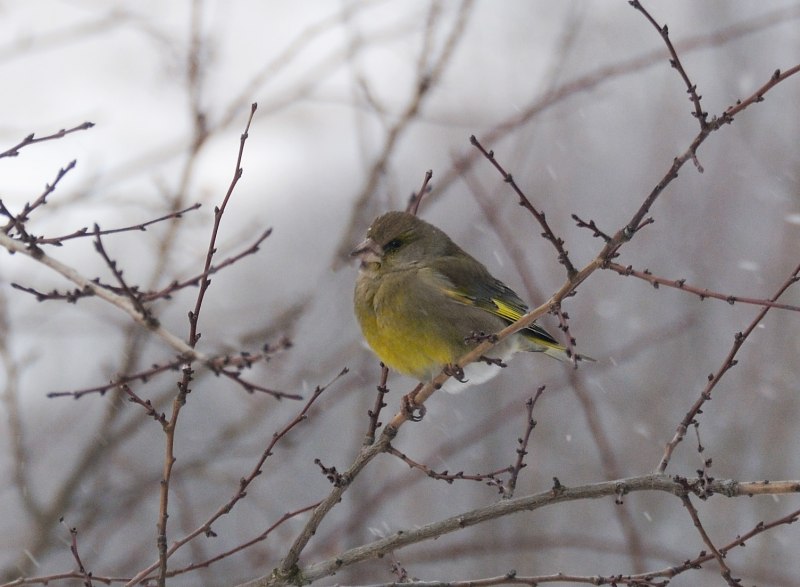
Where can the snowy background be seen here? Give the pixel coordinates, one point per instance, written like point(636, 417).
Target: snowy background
point(578, 101)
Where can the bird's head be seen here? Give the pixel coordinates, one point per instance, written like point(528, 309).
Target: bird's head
point(398, 240)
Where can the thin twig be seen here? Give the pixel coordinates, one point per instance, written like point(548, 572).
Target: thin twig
point(675, 62)
point(73, 548)
point(117, 272)
point(522, 451)
point(194, 315)
point(714, 378)
point(206, 527)
point(416, 199)
point(17, 222)
point(703, 293)
point(725, 571)
point(84, 232)
point(548, 234)
point(375, 412)
point(33, 139)
point(559, 494)
point(447, 476)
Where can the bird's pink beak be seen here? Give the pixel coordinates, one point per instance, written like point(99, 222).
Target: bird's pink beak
point(368, 251)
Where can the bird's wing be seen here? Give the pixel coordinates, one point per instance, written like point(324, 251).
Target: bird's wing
point(469, 282)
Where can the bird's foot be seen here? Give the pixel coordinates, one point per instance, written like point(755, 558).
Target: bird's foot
point(492, 361)
point(455, 372)
point(412, 410)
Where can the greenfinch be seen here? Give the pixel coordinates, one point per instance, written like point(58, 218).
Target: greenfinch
point(422, 302)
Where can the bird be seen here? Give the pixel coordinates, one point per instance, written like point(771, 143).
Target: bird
point(422, 302)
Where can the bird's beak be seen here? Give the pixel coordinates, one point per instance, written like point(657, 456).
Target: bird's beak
point(368, 251)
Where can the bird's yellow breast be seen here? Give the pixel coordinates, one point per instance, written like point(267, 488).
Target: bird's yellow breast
point(403, 333)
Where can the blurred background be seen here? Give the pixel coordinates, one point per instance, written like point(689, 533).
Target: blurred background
point(356, 100)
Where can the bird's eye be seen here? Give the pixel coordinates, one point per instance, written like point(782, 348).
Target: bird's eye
point(392, 245)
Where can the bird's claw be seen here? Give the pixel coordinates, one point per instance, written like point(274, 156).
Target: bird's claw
point(413, 411)
point(455, 372)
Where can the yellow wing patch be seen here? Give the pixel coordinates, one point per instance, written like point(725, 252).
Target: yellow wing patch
point(506, 311)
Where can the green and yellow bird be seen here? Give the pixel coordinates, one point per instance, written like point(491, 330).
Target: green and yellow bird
point(420, 299)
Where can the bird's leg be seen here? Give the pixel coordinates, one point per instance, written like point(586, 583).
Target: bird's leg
point(414, 411)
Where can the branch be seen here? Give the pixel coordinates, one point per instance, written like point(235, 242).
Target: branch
point(83, 232)
point(558, 243)
point(32, 139)
point(724, 569)
point(375, 412)
point(288, 568)
point(675, 62)
point(490, 478)
point(206, 528)
point(416, 199)
point(702, 293)
point(522, 451)
point(714, 378)
point(18, 222)
point(558, 494)
point(194, 316)
point(121, 302)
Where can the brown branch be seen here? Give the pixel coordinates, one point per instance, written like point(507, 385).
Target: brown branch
point(416, 199)
point(32, 139)
point(84, 232)
point(243, 546)
point(489, 478)
point(288, 567)
point(559, 494)
point(738, 542)
point(675, 62)
point(17, 222)
point(169, 461)
point(206, 528)
point(73, 548)
point(681, 284)
point(596, 232)
point(74, 295)
point(194, 315)
point(146, 404)
point(777, 77)
point(129, 292)
point(522, 451)
point(723, 568)
point(220, 365)
point(375, 412)
point(177, 285)
point(608, 73)
point(558, 243)
point(47, 579)
point(513, 578)
point(714, 378)
point(563, 326)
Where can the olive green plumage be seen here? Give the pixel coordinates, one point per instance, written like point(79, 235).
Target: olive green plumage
point(419, 297)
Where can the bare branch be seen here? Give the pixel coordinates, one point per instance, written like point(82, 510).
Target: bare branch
point(702, 293)
point(714, 378)
point(32, 139)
